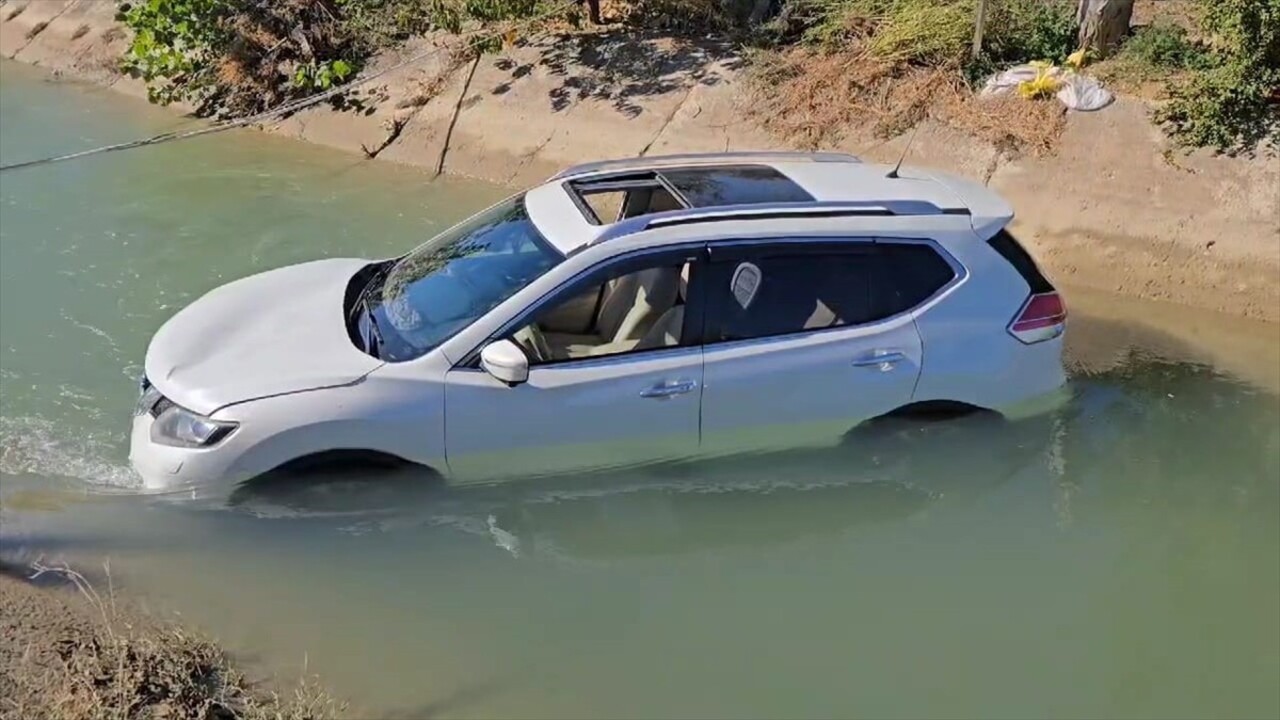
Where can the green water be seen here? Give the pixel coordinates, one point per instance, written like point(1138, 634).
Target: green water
point(1120, 558)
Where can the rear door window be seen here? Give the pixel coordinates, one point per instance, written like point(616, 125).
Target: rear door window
point(755, 292)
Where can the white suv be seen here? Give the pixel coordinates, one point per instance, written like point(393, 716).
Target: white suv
point(623, 312)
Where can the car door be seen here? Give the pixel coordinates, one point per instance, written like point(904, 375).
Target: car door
point(798, 348)
point(627, 395)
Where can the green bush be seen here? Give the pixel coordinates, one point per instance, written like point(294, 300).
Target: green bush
point(380, 23)
point(1163, 46)
point(237, 57)
point(322, 75)
point(925, 31)
point(940, 32)
point(175, 45)
point(1225, 107)
point(1232, 101)
point(1023, 30)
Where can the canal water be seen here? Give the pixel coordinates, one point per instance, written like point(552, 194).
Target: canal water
point(1119, 557)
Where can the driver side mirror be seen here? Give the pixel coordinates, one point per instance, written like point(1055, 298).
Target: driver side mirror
point(505, 361)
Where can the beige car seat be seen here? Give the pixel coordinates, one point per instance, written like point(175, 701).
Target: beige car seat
point(666, 329)
point(631, 305)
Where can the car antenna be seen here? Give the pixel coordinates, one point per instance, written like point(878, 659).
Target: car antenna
point(893, 174)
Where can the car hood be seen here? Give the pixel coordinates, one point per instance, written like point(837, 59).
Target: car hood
point(278, 332)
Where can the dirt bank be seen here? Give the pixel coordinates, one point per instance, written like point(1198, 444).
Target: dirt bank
point(65, 656)
point(1113, 209)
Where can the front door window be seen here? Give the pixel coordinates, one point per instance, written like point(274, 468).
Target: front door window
point(615, 378)
point(630, 310)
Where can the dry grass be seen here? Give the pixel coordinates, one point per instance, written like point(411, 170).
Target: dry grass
point(108, 664)
point(1009, 122)
point(822, 93)
point(829, 93)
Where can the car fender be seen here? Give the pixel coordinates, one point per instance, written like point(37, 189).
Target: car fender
point(381, 414)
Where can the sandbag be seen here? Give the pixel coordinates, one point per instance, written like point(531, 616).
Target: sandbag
point(1075, 90)
point(1081, 92)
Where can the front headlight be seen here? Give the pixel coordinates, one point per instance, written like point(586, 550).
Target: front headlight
point(183, 428)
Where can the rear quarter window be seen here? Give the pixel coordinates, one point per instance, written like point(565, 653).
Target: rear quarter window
point(1012, 251)
point(913, 273)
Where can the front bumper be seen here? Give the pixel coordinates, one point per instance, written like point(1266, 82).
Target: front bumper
point(168, 468)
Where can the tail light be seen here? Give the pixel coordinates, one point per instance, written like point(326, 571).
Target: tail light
point(1042, 317)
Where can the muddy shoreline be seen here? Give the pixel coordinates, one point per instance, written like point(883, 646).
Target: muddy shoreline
point(1115, 208)
point(69, 651)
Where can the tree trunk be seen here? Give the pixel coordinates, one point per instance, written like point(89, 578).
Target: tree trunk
point(979, 28)
point(1103, 24)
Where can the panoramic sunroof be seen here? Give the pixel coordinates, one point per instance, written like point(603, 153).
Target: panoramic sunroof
point(745, 185)
point(626, 195)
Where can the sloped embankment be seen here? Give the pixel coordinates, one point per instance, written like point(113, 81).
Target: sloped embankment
point(1114, 207)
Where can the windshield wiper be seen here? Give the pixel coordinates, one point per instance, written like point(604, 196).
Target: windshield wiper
point(377, 277)
point(372, 343)
point(372, 339)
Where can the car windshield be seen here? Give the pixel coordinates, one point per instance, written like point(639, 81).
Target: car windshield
point(446, 284)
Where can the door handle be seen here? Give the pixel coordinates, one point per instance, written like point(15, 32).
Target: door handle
point(665, 390)
point(881, 359)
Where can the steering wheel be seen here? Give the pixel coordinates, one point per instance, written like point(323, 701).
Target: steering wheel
point(530, 338)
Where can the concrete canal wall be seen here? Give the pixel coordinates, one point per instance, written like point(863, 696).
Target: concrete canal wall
point(1115, 208)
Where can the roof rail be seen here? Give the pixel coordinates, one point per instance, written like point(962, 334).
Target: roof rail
point(773, 211)
point(891, 208)
point(660, 161)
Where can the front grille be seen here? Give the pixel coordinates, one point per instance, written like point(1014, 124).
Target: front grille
point(150, 401)
point(160, 406)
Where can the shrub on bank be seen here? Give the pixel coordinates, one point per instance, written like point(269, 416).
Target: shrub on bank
point(239, 57)
point(1163, 46)
point(1231, 101)
point(831, 62)
point(1155, 54)
point(934, 32)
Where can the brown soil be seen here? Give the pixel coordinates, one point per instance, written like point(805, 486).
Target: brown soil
point(68, 651)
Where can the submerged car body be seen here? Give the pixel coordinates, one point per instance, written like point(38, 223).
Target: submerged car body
point(621, 313)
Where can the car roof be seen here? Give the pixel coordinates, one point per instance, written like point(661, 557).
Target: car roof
point(784, 186)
